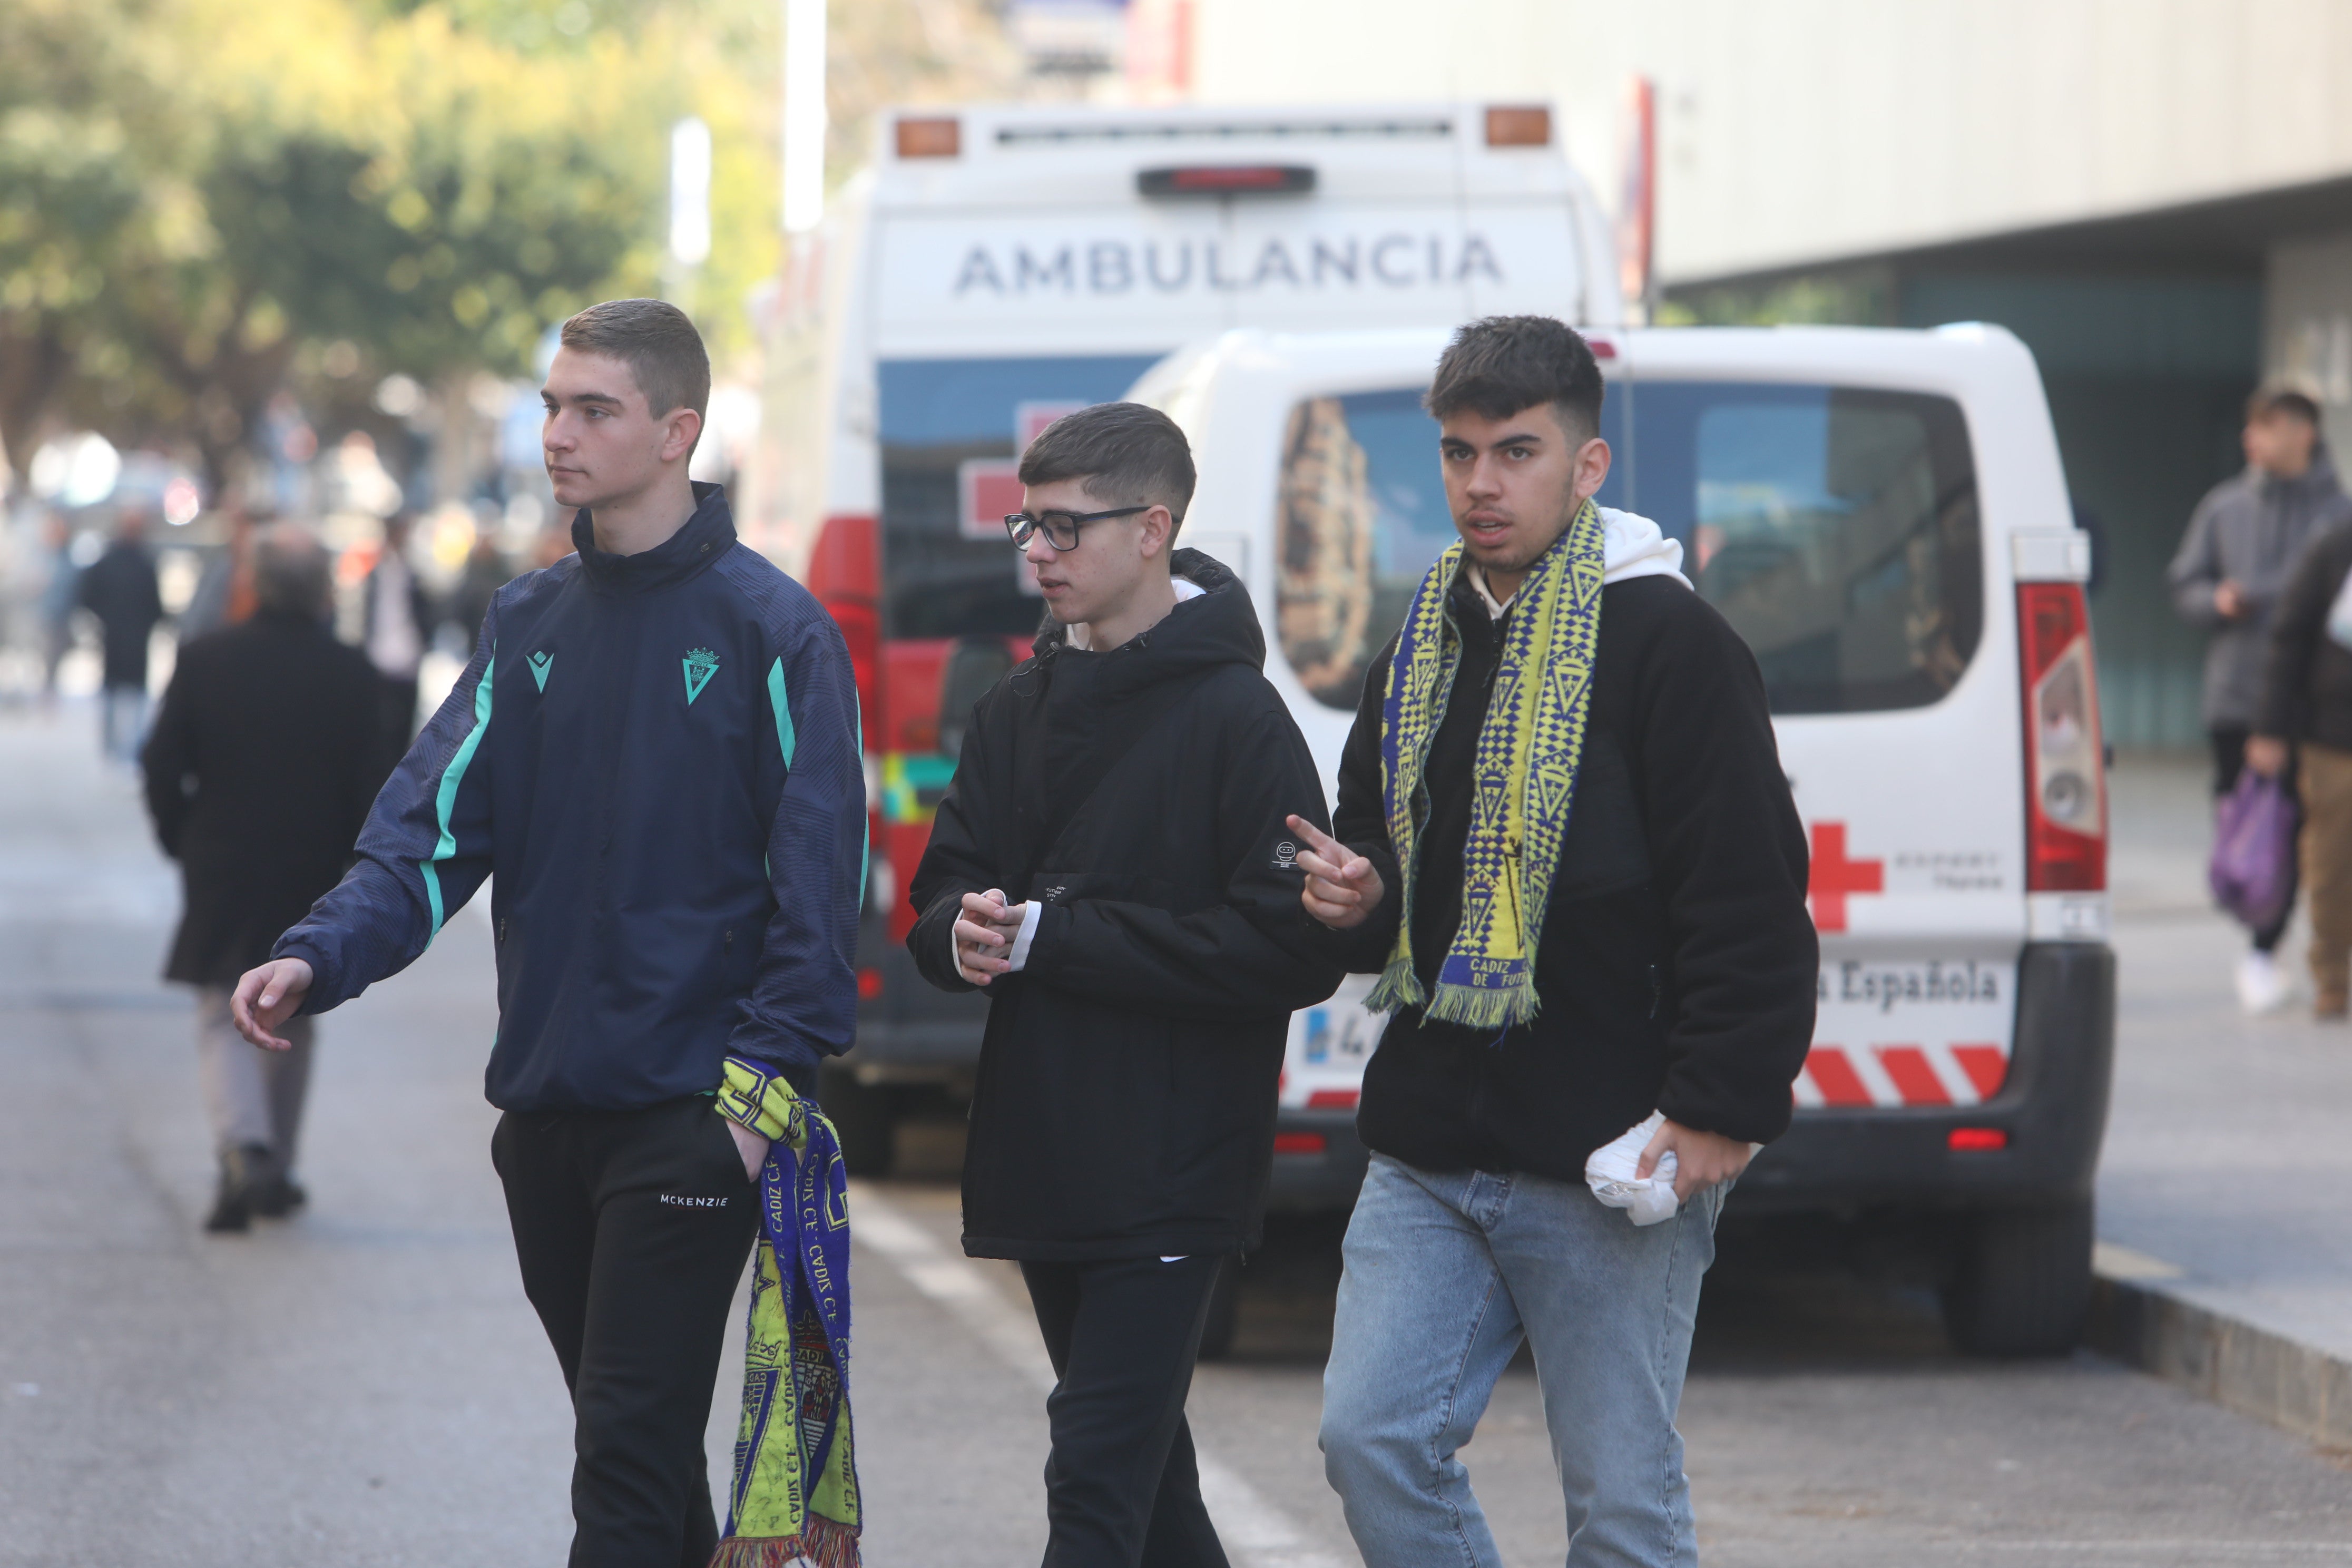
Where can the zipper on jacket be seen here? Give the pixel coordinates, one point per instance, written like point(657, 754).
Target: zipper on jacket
point(502, 931)
point(727, 941)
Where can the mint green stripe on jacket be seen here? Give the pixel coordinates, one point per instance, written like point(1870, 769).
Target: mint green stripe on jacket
point(787, 741)
point(445, 802)
point(786, 736)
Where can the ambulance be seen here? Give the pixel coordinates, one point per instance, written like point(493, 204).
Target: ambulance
point(1881, 515)
point(993, 269)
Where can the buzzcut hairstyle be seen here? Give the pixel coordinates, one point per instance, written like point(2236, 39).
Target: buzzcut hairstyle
point(1499, 365)
point(2269, 402)
point(291, 572)
point(1125, 454)
point(658, 343)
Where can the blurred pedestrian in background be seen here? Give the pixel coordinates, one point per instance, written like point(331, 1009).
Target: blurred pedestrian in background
point(263, 762)
point(224, 593)
point(2306, 719)
point(2243, 542)
point(399, 618)
point(60, 595)
point(120, 590)
point(485, 573)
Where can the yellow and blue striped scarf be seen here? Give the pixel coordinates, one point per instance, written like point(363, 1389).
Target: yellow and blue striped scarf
point(1529, 746)
point(794, 1501)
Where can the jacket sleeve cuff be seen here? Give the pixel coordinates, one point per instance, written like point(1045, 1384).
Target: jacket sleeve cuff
point(755, 1096)
point(1051, 926)
point(1018, 959)
point(322, 995)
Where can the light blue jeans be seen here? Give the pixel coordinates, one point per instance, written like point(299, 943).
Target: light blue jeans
point(1445, 1274)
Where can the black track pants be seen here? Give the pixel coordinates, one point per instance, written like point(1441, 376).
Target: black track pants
point(632, 1228)
point(1121, 1491)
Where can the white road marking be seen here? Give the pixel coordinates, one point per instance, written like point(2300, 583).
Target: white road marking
point(1253, 1530)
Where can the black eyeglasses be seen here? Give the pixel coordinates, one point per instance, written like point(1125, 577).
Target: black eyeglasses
point(1061, 527)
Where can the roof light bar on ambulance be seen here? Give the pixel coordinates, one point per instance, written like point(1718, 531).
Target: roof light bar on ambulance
point(1227, 180)
point(1519, 125)
point(930, 136)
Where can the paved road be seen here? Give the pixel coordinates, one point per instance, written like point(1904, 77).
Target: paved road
point(366, 1385)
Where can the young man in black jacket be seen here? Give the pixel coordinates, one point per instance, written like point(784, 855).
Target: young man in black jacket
point(1111, 863)
point(1565, 843)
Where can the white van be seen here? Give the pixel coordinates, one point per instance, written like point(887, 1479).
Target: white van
point(996, 267)
point(1882, 516)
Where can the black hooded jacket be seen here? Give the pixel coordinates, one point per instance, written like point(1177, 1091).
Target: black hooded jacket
point(1126, 1100)
point(2307, 684)
point(1677, 965)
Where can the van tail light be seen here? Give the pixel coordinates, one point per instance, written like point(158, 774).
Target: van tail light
point(2065, 777)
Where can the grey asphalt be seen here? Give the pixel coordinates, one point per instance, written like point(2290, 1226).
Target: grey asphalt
point(366, 1385)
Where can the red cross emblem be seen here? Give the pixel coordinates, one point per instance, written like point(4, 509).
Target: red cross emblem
point(1834, 876)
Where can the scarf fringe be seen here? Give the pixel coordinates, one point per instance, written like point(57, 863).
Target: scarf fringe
point(1398, 986)
point(1475, 1008)
point(824, 1542)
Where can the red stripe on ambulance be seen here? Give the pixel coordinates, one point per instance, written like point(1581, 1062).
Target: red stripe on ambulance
point(1896, 1075)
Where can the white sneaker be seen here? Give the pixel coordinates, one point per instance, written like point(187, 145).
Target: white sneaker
point(2262, 987)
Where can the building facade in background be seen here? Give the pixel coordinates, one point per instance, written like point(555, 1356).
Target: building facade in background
point(2154, 194)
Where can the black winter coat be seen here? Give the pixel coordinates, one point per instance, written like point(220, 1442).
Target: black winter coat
point(259, 771)
point(2308, 680)
point(1677, 966)
point(1125, 1099)
point(120, 588)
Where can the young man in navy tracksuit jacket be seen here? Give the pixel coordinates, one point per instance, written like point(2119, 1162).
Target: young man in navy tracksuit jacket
point(655, 750)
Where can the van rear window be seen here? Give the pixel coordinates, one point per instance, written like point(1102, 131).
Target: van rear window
point(1835, 528)
point(951, 432)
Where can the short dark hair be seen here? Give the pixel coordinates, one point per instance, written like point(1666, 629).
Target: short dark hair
point(1126, 453)
point(2269, 402)
point(1499, 365)
point(658, 343)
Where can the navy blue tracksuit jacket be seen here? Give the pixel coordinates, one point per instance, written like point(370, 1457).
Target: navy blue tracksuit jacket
point(658, 756)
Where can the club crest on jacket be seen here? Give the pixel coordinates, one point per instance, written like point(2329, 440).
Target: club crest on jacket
point(700, 665)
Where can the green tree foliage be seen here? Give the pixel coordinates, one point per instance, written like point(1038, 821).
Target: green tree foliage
point(192, 190)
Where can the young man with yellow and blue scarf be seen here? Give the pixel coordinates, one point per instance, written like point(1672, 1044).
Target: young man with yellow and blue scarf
point(655, 750)
point(1565, 845)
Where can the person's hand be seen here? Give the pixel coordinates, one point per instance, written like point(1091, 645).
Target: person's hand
point(985, 933)
point(750, 1145)
point(2228, 600)
point(1701, 1158)
point(1342, 888)
point(268, 996)
point(2266, 755)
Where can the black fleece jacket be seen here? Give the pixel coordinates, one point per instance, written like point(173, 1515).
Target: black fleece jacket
point(2307, 681)
point(1125, 1097)
point(1677, 966)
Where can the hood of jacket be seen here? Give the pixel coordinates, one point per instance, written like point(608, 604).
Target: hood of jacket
point(2318, 482)
point(1634, 546)
point(1216, 626)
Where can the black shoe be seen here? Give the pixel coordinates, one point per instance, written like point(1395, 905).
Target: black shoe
point(242, 1170)
point(278, 1198)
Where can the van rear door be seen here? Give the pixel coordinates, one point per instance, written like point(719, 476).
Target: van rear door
point(1840, 502)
